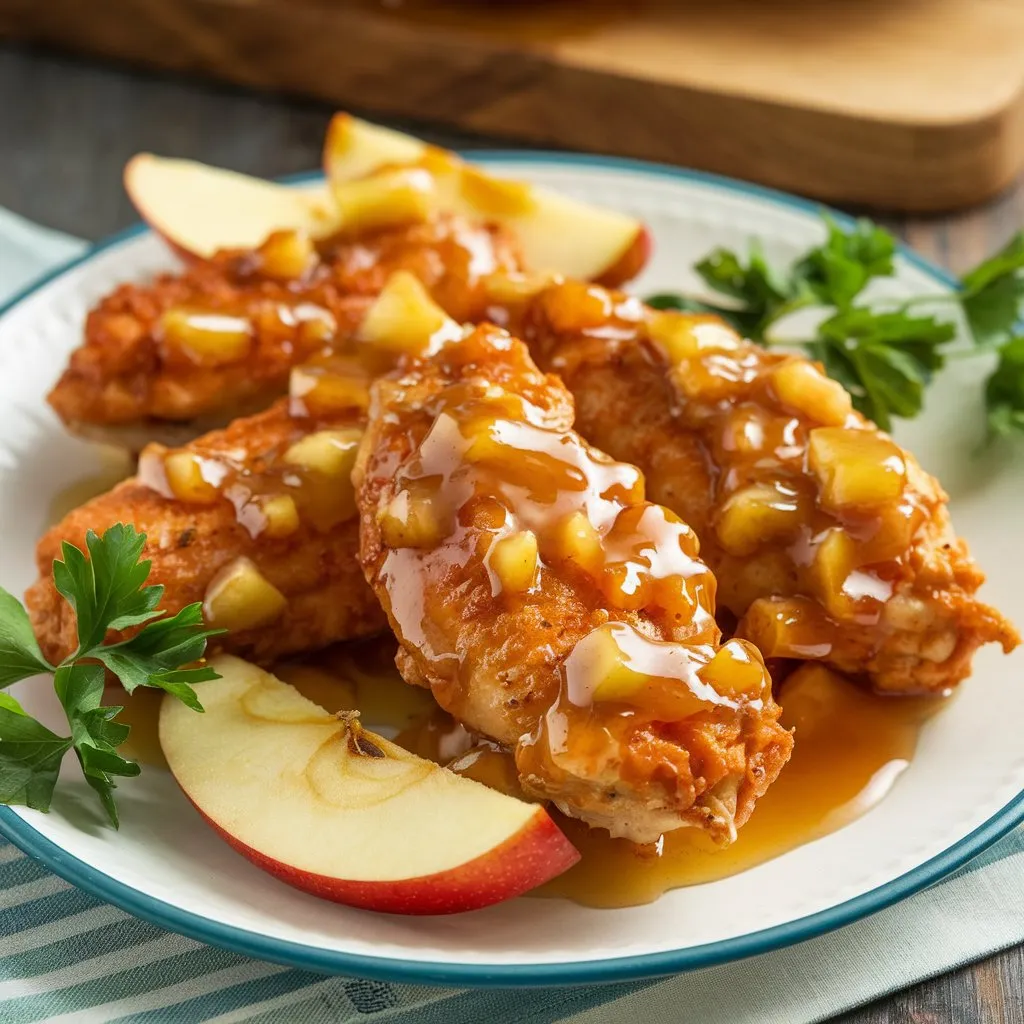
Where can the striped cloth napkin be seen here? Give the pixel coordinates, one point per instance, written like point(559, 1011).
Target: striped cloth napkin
point(68, 958)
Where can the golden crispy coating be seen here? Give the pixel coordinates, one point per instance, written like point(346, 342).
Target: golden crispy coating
point(548, 606)
point(260, 530)
point(829, 542)
point(192, 351)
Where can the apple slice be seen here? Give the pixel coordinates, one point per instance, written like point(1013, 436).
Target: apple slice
point(556, 233)
point(344, 814)
point(199, 209)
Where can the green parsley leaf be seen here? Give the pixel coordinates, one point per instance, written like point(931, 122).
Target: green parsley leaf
point(30, 757)
point(8, 702)
point(95, 736)
point(1004, 391)
point(1008, 260)
point(889, 358)
point(838, 271)
point(765, 294)
point(995, 312)
point(152, 657)
point(20, 656)
point(993, 294)
point(108, 591)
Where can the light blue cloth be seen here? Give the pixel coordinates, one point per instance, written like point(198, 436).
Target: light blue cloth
point(67, 957)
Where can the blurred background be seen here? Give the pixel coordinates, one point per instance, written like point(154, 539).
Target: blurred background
point(907, 106)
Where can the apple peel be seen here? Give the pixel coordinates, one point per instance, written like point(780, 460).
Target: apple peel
point(344, 814)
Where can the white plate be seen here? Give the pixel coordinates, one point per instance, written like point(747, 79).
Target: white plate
point(963, 790)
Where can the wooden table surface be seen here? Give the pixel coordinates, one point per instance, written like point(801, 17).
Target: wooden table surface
point(66, 129)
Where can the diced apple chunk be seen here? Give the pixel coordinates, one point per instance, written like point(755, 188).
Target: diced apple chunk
point(856, 468)
point(755, 515)
point(405, 319)
point(745, 430)
point(386, 200)
point(280, 514)
point(207, 339)
point(685, 336)
point(735, 671)
point(409, 521)
point(814, 698)
point(792, 627)
point(330, 452)
point(316, 390)
point(514, 561)
point(287, 254)
point(834, 560)
point(241, 597)
point(515, 286)
point(484, 444)
point(610, 677)
point(801, 387)
point(187, 480)
point(576, 539)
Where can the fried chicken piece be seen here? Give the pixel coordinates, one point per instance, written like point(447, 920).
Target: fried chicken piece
point(256, 521)
point(192, 351)
point(828, 540)
point(549, 607)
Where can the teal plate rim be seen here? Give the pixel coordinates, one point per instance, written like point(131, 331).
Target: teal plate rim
point(627, 968)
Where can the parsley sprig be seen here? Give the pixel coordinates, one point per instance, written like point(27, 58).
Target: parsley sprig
point(885, 354)
point(108, 592)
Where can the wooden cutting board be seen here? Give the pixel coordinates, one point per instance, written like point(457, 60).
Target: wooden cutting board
point(907, 104)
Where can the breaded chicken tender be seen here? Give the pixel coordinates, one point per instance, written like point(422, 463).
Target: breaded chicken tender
point(550, 607)
point(828, 540)
point(192, 351)
point(257, 522)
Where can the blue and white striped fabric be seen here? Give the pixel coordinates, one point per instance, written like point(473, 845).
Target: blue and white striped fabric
point(68, 958)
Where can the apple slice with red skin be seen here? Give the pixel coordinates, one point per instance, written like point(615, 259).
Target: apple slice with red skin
point(199, 209)
point(557, 233)
point(344, 814)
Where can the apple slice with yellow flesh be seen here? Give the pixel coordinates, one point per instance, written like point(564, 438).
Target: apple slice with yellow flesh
point(344, 814)
point(199, 209)
point(556, 233)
